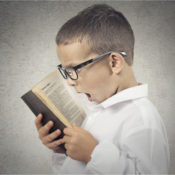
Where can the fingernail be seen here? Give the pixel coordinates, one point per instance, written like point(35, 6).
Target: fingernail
point(58, 131)
point(50, 123)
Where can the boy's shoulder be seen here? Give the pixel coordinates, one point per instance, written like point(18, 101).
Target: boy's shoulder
point(132, 107)
point(143, 115)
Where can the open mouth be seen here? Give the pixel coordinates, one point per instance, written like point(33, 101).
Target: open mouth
point(87, 94)
point(89, 97)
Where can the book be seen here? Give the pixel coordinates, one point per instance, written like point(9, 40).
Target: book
point(54, 99)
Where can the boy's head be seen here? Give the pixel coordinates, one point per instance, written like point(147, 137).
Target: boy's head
point(92, 32)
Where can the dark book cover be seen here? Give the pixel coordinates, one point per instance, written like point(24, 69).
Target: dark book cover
point(37, 106)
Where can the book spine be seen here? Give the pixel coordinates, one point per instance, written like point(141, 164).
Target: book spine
point(36, 106)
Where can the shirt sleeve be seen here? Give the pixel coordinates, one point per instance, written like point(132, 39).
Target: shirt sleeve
point(107, 158)
point(57, 161)
point(141, 152)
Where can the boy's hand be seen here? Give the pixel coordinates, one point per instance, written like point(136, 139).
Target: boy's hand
point(79, 143)
point(46, 137)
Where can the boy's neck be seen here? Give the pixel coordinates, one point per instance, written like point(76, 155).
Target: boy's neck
point(128, 79)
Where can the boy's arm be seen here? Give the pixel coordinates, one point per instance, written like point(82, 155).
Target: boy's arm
point(57, 161)
point(144, 151)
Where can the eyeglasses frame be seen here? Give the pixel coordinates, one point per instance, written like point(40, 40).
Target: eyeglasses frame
point(75, 68)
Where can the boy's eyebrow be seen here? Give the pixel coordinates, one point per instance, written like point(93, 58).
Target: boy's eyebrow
point(75, 64)
point(70, 65)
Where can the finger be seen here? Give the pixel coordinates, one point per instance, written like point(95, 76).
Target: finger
point(66, 146)
point(38, 122)
point(55, 144)
point(43, 131)
point(68, 131)
point(74, 124)
point(76, 127)
point(49, 138)
point(66, 139)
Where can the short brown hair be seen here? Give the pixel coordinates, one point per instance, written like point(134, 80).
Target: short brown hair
point(104, 28)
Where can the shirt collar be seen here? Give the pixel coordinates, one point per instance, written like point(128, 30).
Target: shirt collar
point(127, 94)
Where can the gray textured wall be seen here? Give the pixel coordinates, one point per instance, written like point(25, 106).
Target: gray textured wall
point(28, 52)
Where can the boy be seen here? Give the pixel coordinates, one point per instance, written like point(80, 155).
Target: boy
point(125, 133)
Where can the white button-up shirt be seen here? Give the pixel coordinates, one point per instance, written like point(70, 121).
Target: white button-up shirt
point(131, 135)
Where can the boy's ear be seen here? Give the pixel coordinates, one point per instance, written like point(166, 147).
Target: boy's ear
point(116, 63)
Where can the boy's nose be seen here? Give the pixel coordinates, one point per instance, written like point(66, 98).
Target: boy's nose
point(71, 82)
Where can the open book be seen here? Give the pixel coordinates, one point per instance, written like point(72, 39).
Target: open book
point(54, 99)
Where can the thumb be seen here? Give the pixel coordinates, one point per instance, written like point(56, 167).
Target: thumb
point(74, 125)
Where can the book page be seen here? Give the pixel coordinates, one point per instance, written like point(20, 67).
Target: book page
point(54, 90)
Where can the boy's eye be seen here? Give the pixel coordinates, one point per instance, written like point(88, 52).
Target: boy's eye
point(70, 73)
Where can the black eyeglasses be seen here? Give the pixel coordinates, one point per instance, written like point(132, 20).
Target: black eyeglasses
point(72, 72)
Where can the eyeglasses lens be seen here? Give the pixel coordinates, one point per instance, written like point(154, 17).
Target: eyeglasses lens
point(71, 73)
